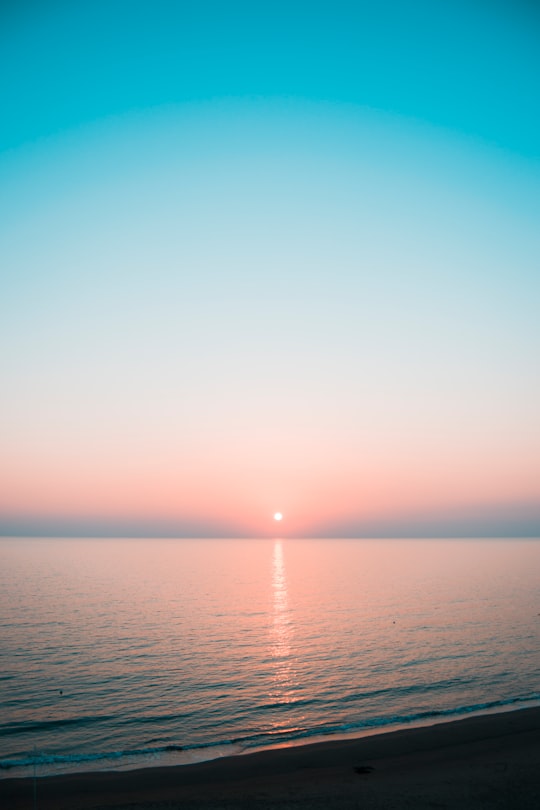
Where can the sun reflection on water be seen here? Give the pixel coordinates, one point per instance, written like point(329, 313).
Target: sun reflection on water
point(284, 673)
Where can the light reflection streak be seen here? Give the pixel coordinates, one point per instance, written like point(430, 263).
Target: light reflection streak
point(284, 673)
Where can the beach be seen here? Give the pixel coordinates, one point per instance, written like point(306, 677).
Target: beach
point(488, 761)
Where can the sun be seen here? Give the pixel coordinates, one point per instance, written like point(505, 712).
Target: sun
point(278, 516)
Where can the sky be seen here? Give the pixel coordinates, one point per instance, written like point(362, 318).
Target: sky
point(260, 257)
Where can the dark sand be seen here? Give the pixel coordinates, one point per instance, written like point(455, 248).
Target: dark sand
point(492, 761)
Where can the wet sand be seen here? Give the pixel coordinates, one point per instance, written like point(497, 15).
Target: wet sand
point(490, 762)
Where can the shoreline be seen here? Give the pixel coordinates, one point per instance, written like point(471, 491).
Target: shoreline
point(482, 761)
point(409, 725)
point(183, 756)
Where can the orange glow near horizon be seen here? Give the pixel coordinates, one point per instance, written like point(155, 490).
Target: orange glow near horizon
point(164, 492)
point(234, 489)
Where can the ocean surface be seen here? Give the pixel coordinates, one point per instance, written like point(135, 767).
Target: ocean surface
point(131, 653)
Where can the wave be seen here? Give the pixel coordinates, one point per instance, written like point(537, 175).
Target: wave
point(266, 739)
point(33, 726)
point(41, 758)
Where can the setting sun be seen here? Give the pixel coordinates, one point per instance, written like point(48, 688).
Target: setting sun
point(278, 516)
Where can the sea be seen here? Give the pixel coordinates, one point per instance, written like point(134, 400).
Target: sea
point(130, 653)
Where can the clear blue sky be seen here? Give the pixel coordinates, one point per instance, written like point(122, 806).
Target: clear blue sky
point(469, 66)
point(270, 256)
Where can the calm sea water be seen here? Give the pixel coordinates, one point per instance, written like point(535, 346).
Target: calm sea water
point(126, 653)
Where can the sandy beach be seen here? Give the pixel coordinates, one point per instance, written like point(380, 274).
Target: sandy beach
point(489, 761)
